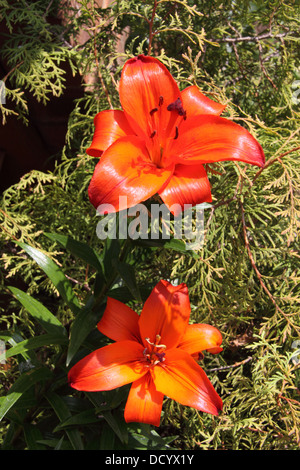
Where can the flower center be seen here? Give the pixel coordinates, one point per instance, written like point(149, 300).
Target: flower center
point(164, 129)
point(155, 352)
point(177, 106)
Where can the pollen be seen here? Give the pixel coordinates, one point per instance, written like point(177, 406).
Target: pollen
point(176, 133)
point(154, 110)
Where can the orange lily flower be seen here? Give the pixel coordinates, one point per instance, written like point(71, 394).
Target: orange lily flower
point(154, 351)
point(160, 141)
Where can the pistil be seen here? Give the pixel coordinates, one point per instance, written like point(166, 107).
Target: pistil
point(177, 106)
point(156, 149)
point(159, 136)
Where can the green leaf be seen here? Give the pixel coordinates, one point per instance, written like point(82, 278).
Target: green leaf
point(124, 295)
point(85, 417)
point(34, 343)
point(111, 252)
point(55, 274)
point(107, 438)
point(14, 338)
point(45, 318)
point(80, 249)
point(99, 283)
point(32, 434)
point(175, 244)
point(56, 444)
point(6, 335)
point(150, 439)
point(61, 445)
point(117, 423)
point(23, 383)
point(180, 245)
point(172, 244)
point(83, 324)
point(127, 273)
point(63, 413)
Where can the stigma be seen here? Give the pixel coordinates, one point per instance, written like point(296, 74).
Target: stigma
point(177, 106)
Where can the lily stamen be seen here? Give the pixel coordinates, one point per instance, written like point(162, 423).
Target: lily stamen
point(176, 133)
point(155, 354)
point(153, 111)
point(155, 344)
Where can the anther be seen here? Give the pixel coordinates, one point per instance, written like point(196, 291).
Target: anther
point(153, 134)
point(161, 100)
point(176, 133)
point(153, 111)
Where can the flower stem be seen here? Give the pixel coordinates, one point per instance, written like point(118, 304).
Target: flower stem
point(151, 34)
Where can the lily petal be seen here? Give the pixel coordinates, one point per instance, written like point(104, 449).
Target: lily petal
point(201, 337)
point(183, 380)
point(194, 102)
point(189, 185)
point(110, 125)
point(144, 402)
point(208, 139)
point(119, 322)
point(146, 89)
point(125, 170)
point(165, 313)
point(109, 367)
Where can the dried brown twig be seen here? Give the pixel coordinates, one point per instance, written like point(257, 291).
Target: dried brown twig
point(257, 272)
point(236, 364)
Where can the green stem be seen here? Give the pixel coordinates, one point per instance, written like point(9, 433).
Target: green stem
point(106, 287)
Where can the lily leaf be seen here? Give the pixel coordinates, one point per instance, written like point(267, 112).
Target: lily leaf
point(82, 418)
point(34, 343)
point(117, 424)
point(83, 324)
point(45, 318)
point(63, 412)
point(55, 274)
point(126, 271)
point(21, 385)
point(80, 249)
point(111, 252)
point(32, 434)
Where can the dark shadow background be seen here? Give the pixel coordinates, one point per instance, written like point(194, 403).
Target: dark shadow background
point(38, 144)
